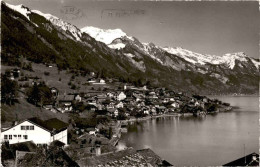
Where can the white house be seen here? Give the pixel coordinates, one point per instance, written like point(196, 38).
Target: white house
point(36, 130)
point(121, 96)
point(119, 105)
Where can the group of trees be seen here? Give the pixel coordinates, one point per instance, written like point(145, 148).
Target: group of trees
point(39, 94)
point(9, 90)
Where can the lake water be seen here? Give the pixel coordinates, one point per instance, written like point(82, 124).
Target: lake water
point(211, 140)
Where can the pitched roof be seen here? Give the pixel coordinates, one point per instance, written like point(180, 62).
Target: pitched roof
point(66, 98)
point(249, 160)
point(53, 125)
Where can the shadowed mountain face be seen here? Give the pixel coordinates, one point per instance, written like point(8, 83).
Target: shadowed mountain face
point(43, 38)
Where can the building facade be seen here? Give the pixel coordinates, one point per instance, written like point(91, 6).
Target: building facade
point(38, 132)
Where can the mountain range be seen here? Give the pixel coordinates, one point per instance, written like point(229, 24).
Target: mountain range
point(44, 38)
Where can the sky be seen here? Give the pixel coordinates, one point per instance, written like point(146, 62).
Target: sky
point(205, 27)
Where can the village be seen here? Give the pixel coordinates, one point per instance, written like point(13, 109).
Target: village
point(98, 116)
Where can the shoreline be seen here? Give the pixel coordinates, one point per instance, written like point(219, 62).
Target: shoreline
point(120, 122)
point(150, 117)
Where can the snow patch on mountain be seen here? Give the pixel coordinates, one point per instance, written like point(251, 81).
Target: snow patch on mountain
point(129, 55)
point(256, 63)
point(107, 36)
point(21, 9)
point(147, 48)
point(192, 57)
point(46, 15)
point(53, 19)
point(62, 24)
point(116, 46)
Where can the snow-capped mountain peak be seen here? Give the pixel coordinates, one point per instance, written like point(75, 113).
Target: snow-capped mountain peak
point(46, 15)
point(21, 9)
point(193, 57)
point(105, 36)
point(61, 24)
point(53, 19)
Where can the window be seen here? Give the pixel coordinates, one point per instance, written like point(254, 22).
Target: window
point(5, 137)
point(25, 136)
point(15, 136)
point(19, 136)
point(10, 137)
point(22, 127)
point(31, 127)
point(27, 127)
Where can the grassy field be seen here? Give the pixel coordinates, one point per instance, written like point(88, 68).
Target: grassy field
point(24, 110)
point(60, 80)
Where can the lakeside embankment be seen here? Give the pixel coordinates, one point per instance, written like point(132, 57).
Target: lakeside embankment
point(118, 128)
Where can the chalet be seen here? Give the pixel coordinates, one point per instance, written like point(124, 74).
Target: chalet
point(101, 98)
point(119, 105)
point(78, 98)
point(92, 74)
point(138, 97)
point(65, 103)
point(54, 91)
point(116, 113)
point(121, 96)
point(100, 82)
point(111, 105)
point(153, 110)
point(37, 131)
point(175, 105)
point(91, 101)
point(146, 110)
point(205, 99)
point(92, 80)
point(196, 103)
point(110, 94)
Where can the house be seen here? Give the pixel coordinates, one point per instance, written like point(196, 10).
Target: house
point(78, 98)
point(197, 103)
point(92, 80)
point(111, 105)
point(36, 130)
point(205, 99)
point(119, 105)
point(249, 160)
point(65, 103)
point(175, 105)
point(54, 91)
point(121, 96)
point(116, 113)
point(101, 98)
point(102, 81)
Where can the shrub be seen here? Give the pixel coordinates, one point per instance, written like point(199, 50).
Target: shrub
point(46, 73)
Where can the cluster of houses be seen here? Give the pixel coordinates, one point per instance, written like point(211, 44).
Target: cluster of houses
point(130, 100)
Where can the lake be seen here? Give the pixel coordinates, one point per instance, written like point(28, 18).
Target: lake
point(210, 140)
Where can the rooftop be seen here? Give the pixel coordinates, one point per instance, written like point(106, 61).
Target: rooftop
point(249, 160)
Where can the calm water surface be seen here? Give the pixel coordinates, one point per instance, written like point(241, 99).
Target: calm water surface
point(211, 140)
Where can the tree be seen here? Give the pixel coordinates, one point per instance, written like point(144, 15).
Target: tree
point(39, 93)
point(9, 90)
point(33, 94)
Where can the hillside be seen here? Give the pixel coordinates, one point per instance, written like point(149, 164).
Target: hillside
point(43, 38)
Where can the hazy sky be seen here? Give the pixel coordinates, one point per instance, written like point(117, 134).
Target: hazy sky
point(204, 27)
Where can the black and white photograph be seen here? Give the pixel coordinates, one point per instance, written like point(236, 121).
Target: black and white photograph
point(88, 83)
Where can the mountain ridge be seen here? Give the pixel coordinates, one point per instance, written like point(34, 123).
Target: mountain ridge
point(45, 38)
